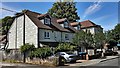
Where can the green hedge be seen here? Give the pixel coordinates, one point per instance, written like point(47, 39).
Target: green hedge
point(41, 52)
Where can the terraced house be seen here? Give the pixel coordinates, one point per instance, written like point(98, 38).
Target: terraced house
point(38, 29)
point(87, 26)
point(43, 30)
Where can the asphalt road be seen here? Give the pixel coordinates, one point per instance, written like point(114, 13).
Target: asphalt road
point(112, 62)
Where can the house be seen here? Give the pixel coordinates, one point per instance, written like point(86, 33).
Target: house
point(87, 26)
point(90, 26)
point(38, 29)
point(76, 25)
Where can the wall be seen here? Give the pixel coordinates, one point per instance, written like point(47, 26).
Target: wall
point(15, 35)
point(55, 36)
point(70, 37)
point(30, 33)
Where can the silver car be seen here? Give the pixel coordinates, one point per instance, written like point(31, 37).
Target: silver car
point(68, 56)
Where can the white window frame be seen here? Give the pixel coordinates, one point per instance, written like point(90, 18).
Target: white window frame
point(47, 35)
point(47, 20)
point(78, 27)
point(65, 24)
point(66, 36)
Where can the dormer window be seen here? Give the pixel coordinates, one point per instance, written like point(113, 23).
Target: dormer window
point(78, 27)
point(65, 24)
point(47, 21)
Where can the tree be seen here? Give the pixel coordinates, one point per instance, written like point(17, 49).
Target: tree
point(64, 10)
point(117, 32)
point(99, 40)
point(109, 35)
point(6, 23)
point(26, 49)
point(82, 38)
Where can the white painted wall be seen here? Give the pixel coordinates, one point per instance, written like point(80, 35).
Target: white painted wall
point(92, 30)
point(30, 32)
point(55, 36)
point(71, 35)
point(12, 33)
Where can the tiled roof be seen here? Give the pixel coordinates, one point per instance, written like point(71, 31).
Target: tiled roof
point(35, 18)
point(87, 23)
point(74, 24)
point(61, 20)
point(57, 25)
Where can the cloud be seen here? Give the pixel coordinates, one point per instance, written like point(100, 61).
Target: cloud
point(4, 13)
point(101, 18)
point(92, 9)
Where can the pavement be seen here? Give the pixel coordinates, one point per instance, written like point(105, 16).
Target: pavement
point(78, 63)
point(91, 62)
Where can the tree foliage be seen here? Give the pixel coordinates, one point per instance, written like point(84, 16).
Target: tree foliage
point(82, 38)
point(64, 10)
point(99, 40)
point(113, 34)
point(64, 47)
point(6, 23)
point(27, 47)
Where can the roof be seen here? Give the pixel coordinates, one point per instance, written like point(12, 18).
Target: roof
point(74, 23)
point(88, 23)
point(34, 17)
point(57, 25)
point(61, 21)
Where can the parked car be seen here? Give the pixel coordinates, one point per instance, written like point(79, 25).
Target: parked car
point(82, 55)
point(68, 56)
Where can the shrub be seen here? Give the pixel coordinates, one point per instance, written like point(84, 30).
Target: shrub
point(64, 47)
point(27, 47)
point(41, 52)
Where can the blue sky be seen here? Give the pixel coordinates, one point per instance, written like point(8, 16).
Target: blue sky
point(101, 13)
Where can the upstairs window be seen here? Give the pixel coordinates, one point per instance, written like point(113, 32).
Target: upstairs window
point(66, 37)
point(78, 27)
point(65, 24)
point(47, 21)
point(46, 35)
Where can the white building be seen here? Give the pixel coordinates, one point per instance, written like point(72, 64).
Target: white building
point(38, 29)
point(87, 26)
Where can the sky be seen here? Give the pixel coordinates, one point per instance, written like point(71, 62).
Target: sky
point(101, 13)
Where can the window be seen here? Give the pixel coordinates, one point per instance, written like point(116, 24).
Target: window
point(66, 37)
point(78, 27)
point(47, 21)
point(65, 24)
point(46, 35)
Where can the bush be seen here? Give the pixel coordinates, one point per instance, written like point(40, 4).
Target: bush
point(64, 47)
point(41, 52)
point(27, 47)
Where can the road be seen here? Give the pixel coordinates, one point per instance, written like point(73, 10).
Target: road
point(112, 62)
